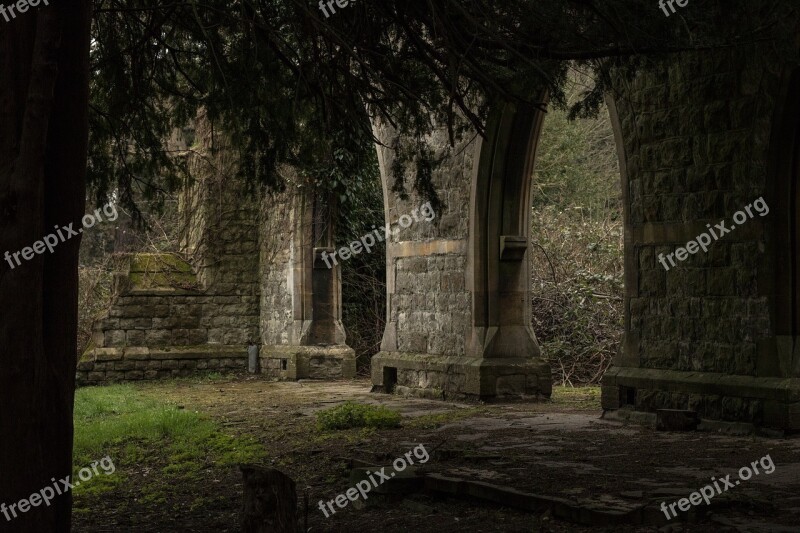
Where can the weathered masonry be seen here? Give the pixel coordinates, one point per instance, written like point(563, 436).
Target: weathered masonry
point(699, 137)
point(254, 282)
point(458, 306)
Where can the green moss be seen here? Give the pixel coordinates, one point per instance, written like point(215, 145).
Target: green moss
point(132, 428)
point(354, 415)
point(161, 270)
point(159, 263)
point(88, 353)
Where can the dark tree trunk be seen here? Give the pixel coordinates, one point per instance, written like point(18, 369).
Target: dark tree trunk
point(44, 58)
point(269, 504)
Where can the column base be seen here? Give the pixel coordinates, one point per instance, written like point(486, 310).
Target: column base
point(460, 378)
point(768, 402)
point(308, 362)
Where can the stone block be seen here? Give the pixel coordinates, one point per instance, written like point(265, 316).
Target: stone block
point(134, 375)
point(137, 353)
point(676, 420)
point(125, 365)
point(189, 337)
point(108, 354)
point(135, 323)
point(96, 376)
point(114, 338)
point(160, 311)
point(158, 337)
point(135, 337)
point(513, 385)
point(85, 366)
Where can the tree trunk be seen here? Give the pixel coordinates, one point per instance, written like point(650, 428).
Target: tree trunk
point(269, 504)
point(44, 69)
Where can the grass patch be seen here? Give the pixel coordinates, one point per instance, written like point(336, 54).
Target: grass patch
point(577, 397)
point(141, 434)
point(356, 415)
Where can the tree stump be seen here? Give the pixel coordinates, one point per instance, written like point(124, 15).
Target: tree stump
point(270, 501)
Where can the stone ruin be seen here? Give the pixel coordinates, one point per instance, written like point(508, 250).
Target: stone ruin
point(699, 136)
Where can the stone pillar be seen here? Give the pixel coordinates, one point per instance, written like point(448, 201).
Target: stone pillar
point(301, 325)
point(701, 137)
point(457, 302)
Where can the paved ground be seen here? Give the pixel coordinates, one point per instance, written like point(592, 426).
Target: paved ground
point(590, 470)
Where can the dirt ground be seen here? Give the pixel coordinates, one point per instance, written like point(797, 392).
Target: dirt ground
point(560, 449)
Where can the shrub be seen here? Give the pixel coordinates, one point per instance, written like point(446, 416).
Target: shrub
point(577, 247)
point(354, 415)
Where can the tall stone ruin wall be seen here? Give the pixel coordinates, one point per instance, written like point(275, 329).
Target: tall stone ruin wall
point(169, 317)
point(698, 143)
point(429, 306)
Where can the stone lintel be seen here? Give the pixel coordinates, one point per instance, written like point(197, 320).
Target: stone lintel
point(421, 249)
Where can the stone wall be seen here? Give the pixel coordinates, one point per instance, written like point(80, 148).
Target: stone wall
point(697, 135)
point(164, 306)
point(251, 281)
point(134, 364)
point(428, 304)
point(277, 252)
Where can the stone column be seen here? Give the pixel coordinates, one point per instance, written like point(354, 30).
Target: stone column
point(302, 331)
point(457, 303)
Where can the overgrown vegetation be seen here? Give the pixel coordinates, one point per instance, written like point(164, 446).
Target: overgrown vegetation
point(158, 229)
point(355, 415)
point(363, 275)
point(576, 232)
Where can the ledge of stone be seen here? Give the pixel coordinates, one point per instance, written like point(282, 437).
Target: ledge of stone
point(144, 353)
point(707, 383)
